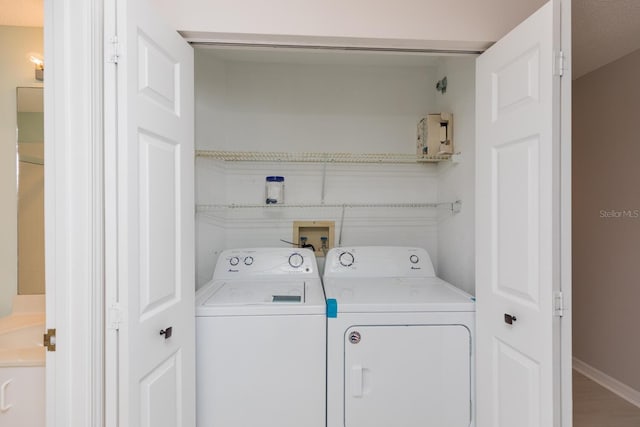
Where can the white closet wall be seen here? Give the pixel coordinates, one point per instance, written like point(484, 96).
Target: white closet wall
point(311, 102)
point(456, 233)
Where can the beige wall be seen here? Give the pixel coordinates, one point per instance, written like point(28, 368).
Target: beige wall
point(606, 248)
point(15, 70)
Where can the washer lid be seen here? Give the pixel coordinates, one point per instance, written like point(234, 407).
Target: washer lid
point(252, 293)
point(241, 297)
point(396, 294)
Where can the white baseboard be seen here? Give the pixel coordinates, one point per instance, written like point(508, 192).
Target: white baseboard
point(624, 391)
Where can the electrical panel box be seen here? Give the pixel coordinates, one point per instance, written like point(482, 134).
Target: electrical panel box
point(435, 135)
point(319, 234)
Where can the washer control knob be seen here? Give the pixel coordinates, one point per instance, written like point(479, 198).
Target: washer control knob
point(234, 261)
point(346, 259)
point(248, 260)
point(414, 259)
point(296, 260)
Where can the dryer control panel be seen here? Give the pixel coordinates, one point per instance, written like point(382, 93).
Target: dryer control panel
point(378, 261)
point(276, 262)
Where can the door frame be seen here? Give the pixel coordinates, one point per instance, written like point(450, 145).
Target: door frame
point(562, 11)
point(74, 211)
point(74, 223)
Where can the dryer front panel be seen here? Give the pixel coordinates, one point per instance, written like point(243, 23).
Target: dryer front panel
point(407, 375)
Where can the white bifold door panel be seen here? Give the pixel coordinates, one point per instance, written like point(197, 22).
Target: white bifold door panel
point(155, 222)
point(517, 226)
point(407, 375)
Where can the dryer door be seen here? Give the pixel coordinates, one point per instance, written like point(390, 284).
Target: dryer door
point(413, 375)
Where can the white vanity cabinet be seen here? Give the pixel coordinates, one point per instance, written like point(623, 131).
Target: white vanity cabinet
point(22, 396)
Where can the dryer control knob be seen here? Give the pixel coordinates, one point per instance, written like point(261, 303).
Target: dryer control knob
point(414, 259)
point(346, 259)
point(248, 260)
point(296, 260)
point(355, 337)
point(234, 261)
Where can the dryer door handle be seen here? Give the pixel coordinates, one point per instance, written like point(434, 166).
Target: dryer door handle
point(356, 381)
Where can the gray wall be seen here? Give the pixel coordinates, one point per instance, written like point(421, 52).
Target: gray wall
point(606, 226)
point(31, 127)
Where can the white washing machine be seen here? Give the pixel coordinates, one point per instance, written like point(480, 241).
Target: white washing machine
point(399, 341)
point(260, 341)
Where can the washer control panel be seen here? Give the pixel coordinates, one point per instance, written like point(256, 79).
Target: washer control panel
point(296, 260)
point(265, 262)
point(378, 261)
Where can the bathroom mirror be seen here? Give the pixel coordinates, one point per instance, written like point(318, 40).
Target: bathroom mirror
point(30, 191)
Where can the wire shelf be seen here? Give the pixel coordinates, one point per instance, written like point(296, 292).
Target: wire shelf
point(267, 156)
point(454, 206)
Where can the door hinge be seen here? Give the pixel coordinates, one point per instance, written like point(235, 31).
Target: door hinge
point(49, 340)
point(558, 304)
point(115, 316)
point(113, 50)
point(559, 64)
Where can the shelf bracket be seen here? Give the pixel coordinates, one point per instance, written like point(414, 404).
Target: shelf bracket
point(344, 207)
point(324, 181)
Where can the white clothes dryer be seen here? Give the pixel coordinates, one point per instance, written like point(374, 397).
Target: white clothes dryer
point(399, 341)
point(260, 341)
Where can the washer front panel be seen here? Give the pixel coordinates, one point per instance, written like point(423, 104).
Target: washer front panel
point(261, 371)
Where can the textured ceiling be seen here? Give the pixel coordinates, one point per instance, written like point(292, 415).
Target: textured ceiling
point(603, 30)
